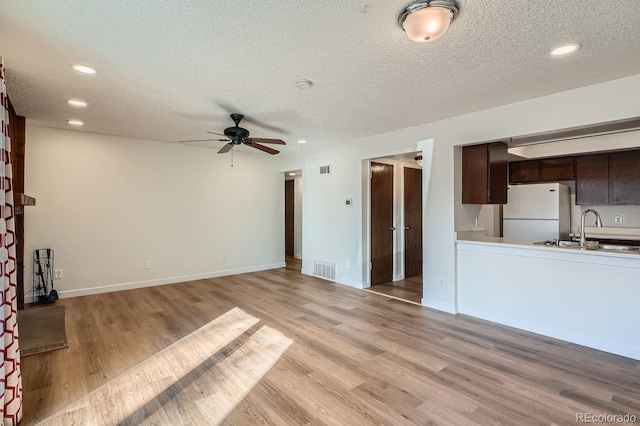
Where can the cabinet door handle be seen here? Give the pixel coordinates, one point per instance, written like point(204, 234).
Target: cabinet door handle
point(393, 228)
point(407, 228)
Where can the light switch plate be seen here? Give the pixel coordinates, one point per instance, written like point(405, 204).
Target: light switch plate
point(618, 220)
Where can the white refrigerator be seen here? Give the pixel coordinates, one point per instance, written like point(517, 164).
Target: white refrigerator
point(537, 212)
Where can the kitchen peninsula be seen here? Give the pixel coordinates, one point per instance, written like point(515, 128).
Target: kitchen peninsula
point(588, 297)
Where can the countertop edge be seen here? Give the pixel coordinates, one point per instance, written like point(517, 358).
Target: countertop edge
point(495, 241)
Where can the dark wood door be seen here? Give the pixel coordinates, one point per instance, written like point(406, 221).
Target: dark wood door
point(289, 202)
point(412, 222)
point(624, 177)
point(592, 179)
point(382, 223)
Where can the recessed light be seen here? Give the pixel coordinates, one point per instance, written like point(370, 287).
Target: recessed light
point(84, 69)
point(77, 103)
point(302, 141)
point(565, 49)
point(292, 174)
point(75, 122)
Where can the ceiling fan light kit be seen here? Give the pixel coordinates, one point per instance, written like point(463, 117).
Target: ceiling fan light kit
point(427, 20)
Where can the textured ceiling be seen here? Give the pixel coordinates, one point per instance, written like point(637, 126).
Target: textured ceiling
point(168, 68)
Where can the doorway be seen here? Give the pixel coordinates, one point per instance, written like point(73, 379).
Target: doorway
point(289, 220)
point(395, 207)
point(293, 219)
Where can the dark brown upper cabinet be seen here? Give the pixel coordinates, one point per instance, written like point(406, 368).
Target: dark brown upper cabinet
point(524, 171)
point(556, 169)
point(624, 177)
point(592, 179)
point(542, 170)
point(484, 173)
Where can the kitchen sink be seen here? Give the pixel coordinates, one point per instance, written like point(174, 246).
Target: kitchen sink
point(605, 247)
point(563, 243)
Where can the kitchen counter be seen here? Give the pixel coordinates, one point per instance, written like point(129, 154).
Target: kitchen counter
point(475, 237)
point(588, 297)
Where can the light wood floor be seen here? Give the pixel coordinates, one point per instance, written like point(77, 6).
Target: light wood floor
point(318, 353)
point(409, 289)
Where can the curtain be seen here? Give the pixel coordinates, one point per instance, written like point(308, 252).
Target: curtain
point(10, 377)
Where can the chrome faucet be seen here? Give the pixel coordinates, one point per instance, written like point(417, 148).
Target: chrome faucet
point(583, 238)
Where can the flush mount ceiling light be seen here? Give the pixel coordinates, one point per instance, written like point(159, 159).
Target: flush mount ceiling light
point(75, 122)
point(427, 20)
point(83, 69)
point(302, 141)
point(77, 103)
point(565, 49)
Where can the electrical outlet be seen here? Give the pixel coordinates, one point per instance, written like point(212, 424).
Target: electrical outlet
point(147, 264)
point(57, 274)
point(618, 220)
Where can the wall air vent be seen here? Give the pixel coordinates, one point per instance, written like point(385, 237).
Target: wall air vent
point(325, 170)
point(324, 269)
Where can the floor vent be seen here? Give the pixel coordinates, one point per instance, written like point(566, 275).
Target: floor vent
point(324, 269)
point(325, 170)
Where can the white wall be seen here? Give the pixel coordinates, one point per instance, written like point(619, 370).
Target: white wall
point(335, 232)
point(297, 217)
point(107, 204)
point(630, 215)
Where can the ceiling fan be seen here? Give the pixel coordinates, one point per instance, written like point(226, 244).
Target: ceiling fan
point(237, 135)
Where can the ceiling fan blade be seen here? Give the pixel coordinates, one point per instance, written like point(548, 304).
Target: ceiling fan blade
point(261, 147)
point(204, 140)
point(226, 148)
point(219, 134)
point(273, 141)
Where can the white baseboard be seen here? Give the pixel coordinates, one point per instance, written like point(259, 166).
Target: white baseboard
point(163, 281)
point(298, 256)
point(343, 281)
point(350, 283)
point(439, 305)
point(556, 333)
point(398, 277)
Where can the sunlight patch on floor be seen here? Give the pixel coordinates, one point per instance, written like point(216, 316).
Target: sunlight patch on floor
point(230, 380)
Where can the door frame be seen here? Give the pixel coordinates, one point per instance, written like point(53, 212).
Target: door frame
point(398, 212)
